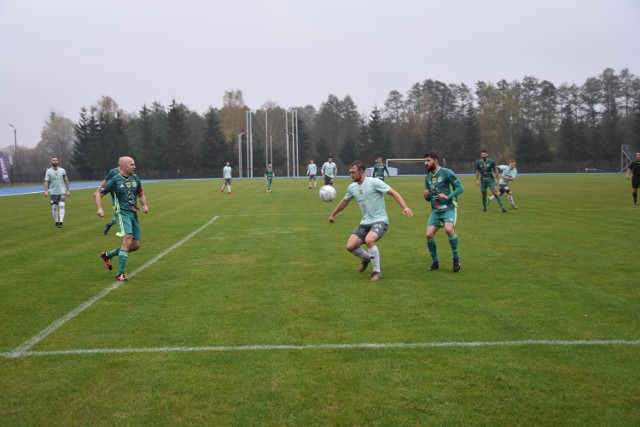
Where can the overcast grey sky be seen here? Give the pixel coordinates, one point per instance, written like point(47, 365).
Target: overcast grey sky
point(61, 55)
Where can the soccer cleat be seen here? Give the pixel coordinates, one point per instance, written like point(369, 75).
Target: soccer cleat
point(503, 210)
point(514, 206)
point(107, 226)
point(107, 260)
point(122, 278)
point(434, 266)
point(364, 264)
point(484, 209)
point(375, 276)
point(59, 225)
point(456, 265)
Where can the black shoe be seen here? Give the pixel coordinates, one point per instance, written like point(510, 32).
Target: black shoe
point(106, 228)
point(364, 264)
point(434, 266)
point(57, 225)
point(484, 209)
point(456, 265)
point(107, 260)
point(503, 210)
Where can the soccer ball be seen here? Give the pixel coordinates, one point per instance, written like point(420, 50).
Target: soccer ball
point(327, 193)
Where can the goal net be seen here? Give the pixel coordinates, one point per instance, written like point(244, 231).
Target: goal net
point(406, 166)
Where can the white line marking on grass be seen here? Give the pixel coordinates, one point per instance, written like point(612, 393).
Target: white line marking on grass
point(24, 348)
point(324, 347)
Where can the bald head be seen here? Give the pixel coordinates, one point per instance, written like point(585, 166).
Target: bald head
point(127, 166)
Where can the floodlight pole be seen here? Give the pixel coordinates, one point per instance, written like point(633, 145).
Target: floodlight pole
point(240, 154)
point(286, 133)
point(15, 146)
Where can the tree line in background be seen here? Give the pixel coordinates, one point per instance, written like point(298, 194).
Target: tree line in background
point(546, 128)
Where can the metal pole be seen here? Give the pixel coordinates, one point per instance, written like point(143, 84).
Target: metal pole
point(15, 147)
point(266, 137)
point(246, 116)
point(297, 148)
point(240, 155)
point(251, 143)
point(286, 133)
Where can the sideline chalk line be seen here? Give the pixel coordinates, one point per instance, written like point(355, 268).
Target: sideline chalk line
point(24, 347)
point(26, 353)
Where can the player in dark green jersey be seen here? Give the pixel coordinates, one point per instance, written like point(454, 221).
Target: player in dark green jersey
point(268, 176)
point(379, 169)
point(634, 168)
point(128, 190)
point(486, 172)
point(111, 174)
point(441, 188)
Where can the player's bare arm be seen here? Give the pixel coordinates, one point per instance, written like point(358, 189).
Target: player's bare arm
point(398, 198)
point(339, 208)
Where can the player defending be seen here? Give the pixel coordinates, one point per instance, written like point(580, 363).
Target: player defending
point(369, 193)
point(128, 189)
point(379, 169)
point(507, 174)
point(312, 170)
point(226, 175)
point(268, 176)
point(634, 168)
point(487, 171)
point(441, 188)
point(56, 187)
point(110, 175)
point(329, 171)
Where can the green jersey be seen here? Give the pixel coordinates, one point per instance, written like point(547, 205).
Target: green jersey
point(486, 169)
point(370, 196)
point(379, 169)
point(110, 175)
point(444, 181)
point(268, 173)
point(126, 191)
point(56, 178)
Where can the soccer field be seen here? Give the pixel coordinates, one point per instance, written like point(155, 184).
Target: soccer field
point(246, 309)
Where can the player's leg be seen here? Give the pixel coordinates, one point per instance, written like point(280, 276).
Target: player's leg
point(54, 208)
point(483, 191)
point(449, 228)
point(377, 231)
point(61, 209)
point(635, 183)
point(433, 225)
point(492, 186)
point(354, 245)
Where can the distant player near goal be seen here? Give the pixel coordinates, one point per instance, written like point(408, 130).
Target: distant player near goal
point(379, 169)
point(329, 171)
point(634, 168)
point(226, 175)
point(507, 174)
point(312, 170)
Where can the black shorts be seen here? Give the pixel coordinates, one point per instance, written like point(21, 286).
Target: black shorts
point(328, 180)
point(635, 182)
point(504, 188)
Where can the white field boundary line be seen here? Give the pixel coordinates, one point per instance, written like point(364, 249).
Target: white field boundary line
point(356, 346)
point(24, 348)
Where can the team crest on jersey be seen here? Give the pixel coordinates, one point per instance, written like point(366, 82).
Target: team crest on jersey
point(135, 184)
point(128, 184)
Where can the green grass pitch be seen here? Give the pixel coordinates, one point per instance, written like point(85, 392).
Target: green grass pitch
point(246, 309)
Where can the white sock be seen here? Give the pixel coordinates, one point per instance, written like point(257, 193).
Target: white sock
point(511, 199)
point(375, 258)
point(54, 212)
point(229, 188)
point(492, 198)
point(61, 213)
point(361, 253)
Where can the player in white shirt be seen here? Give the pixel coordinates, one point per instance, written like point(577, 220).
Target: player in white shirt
point(312, 170)
point(507, 174)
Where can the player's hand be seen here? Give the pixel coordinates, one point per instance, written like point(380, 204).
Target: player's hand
point(100, 212)
point(443, 196)
point(331, 219)
point(426, 193)
point(408, 212)
point(46, 194)
point(145, 209)
point(68, 192)
point(477, 183)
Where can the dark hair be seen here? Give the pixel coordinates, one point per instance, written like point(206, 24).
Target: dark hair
point(432, 155)
point(358, 164)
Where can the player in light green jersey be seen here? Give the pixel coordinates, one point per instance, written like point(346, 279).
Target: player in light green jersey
point(312, 170)
point(441, 189)
point(226, 175)
point(507, 175)
point(369, 192)
point(128, 190)
point(268, 176)
point(329, 171)
point(56, 188)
